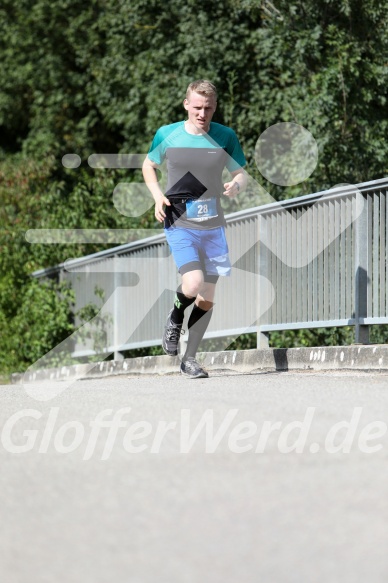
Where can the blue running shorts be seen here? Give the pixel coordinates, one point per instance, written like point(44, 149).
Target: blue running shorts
point(199, 249)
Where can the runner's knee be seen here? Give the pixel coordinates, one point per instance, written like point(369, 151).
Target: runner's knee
point(192, 283)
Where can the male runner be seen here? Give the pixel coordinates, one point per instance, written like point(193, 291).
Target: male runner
point(197, 151)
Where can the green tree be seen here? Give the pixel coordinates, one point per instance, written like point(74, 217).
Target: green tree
point(101, 76)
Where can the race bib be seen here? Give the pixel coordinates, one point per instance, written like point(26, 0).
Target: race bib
point(201, 209)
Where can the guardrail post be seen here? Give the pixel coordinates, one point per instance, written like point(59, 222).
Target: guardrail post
point(361, 271)
point(262, 340)
point(118, 305)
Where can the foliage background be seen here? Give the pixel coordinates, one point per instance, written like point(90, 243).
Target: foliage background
point(101, 76)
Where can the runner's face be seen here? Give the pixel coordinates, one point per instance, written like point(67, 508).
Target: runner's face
point(200, 109)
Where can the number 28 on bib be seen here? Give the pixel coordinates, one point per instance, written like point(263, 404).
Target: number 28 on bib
point(201, 209)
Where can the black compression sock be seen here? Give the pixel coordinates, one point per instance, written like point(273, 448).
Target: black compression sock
point(197, 324)
point(181, 302)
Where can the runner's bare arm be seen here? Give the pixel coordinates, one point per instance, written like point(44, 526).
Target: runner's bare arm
point(151, 180)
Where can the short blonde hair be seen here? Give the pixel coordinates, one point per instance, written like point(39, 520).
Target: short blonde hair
point(202, 86)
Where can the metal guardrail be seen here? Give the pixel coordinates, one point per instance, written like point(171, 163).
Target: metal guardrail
point(311, 262)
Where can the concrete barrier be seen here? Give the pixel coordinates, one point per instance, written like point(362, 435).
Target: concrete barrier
point(355, 357)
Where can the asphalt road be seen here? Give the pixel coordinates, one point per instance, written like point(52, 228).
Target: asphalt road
point(270, 478)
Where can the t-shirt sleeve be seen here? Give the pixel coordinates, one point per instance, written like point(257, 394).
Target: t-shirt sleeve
point(156, 153)
point(236, 159)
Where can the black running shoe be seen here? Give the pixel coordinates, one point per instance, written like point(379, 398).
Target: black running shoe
point(191, 369)
point(172, 333)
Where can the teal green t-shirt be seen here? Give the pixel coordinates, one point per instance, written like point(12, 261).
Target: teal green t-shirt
point(194, 169)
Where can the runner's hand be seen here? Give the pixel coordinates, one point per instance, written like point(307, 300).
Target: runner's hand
point(160, 215)
point(231, 189)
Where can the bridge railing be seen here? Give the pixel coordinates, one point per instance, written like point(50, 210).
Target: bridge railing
point(311, 262)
